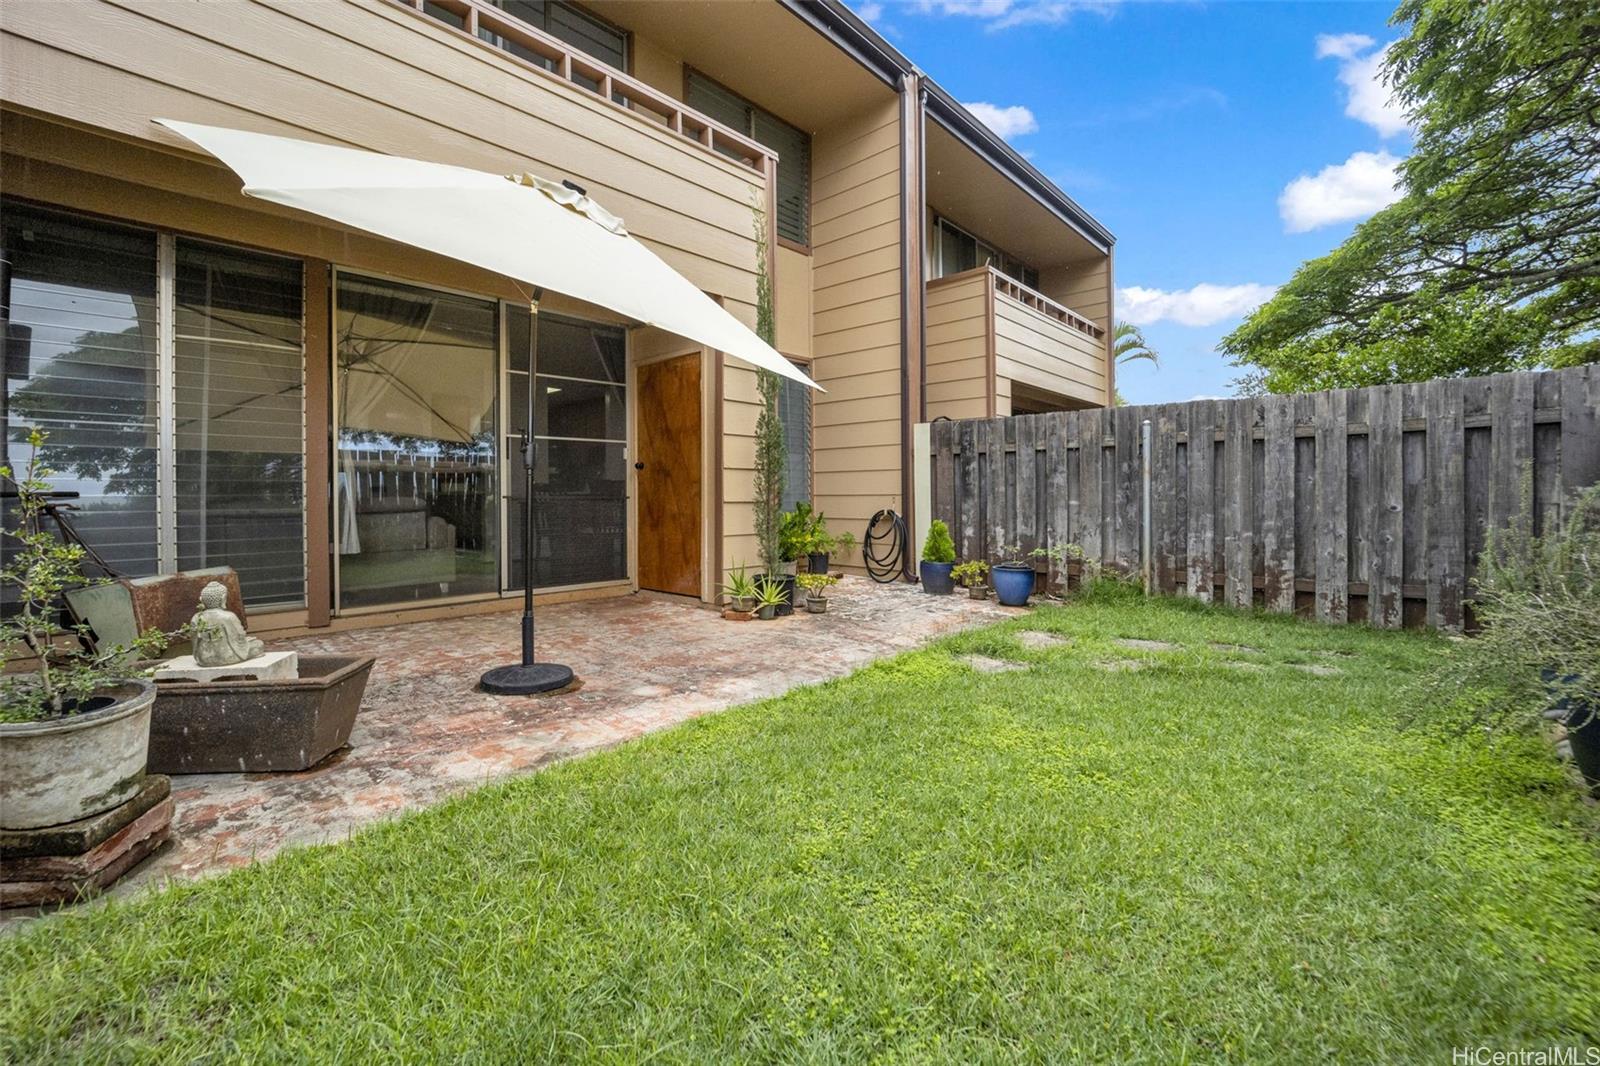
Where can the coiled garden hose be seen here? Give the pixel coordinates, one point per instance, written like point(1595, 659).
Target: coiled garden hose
point(883, 549)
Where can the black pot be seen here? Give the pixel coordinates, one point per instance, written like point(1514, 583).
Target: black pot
point(789, 590)
point(936, 578)
point(1581, 715)
point(817, 562)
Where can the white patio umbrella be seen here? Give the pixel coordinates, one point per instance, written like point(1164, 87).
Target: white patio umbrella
point(545, 234)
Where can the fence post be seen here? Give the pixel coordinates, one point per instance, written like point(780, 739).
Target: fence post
point(1144, 473)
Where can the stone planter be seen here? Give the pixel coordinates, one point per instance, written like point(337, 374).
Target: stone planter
point(76, 767)
point(816, 605)
point(978, 592)
point(257, 726)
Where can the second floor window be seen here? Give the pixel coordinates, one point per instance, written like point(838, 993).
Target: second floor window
point(955, 250)
point(792, 144)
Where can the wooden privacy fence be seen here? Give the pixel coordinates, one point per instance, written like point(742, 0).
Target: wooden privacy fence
point(1348, 505)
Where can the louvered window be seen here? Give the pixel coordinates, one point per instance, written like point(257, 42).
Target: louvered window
point(115, 334)
point(792, 144)
point(589, 35)
point(794, 411)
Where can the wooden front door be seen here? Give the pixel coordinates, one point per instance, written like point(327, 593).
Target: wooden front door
point(668, 465)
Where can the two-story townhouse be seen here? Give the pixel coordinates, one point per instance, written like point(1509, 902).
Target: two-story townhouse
point(227, 382)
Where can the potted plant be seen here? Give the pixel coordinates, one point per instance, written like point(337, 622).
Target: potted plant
point(971, 574)
point(75, 734)
point(1057, 557)
point(938, 559)
point(770, 595)
point(794, 535)
point(816, 586)
point(1012, 577)
point(740, 590)
point(1537, 655)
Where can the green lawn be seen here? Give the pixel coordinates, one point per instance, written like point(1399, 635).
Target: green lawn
point(918, 862)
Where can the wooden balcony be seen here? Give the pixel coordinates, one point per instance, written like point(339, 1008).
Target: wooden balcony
point(574, 67)
point(992, 340)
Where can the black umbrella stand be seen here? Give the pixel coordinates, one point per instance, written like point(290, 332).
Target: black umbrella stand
point(528, 677)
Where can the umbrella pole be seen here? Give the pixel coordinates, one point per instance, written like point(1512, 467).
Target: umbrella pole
point(528, 677)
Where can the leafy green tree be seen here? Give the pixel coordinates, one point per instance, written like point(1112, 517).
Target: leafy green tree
point(1490, 261)
point(771, 454)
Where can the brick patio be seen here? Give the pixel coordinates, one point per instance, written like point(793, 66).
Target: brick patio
point(424, 732)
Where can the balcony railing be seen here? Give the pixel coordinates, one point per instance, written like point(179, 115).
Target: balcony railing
point(569, 65)
point(1038, 301)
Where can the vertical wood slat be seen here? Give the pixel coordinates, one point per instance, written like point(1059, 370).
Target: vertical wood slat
point(1164, 504)
point(1510, 443)
point(1027, 480)
point(1201, 519)
point(1129, 494)
point(1089, 460)
point(1446, 524)
point(1240, 547)
point(1058, 499)
point(1278, 491)
point(994, 461)
point(1332, 494)
point(945, 503)
point(1580, 430)
point(1385, 507)
point(972, 543)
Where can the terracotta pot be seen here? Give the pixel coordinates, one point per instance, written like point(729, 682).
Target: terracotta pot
point(65, 769)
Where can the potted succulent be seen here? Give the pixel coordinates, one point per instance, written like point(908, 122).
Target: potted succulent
point(971, 574)
point(1012, 577)
point(75, 733)
point(938, 559)
point(816, 586)
point(770, 595)
point(740, 590)
point(1537, 655)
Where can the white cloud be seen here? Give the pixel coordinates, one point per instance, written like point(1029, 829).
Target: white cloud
point(1203, 305)
point(1342, 45)
point(1356, 188)
point(1008, 122)
point(1367, 98)
point(1003, 14)
point(871, 11)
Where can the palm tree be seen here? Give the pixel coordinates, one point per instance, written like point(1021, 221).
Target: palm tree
point(1130, 345)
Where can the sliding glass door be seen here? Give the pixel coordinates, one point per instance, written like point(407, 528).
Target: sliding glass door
point(416, 481)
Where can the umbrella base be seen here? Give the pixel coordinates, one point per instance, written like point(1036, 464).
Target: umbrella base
point(526, 680)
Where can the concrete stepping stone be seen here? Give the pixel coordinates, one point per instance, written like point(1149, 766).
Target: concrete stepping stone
point(986, 664)
point(1036, 639)
point(1240, 664)
point(1146, 645)
point(1240, 648)
point(1121, 665)
point(1315, 668)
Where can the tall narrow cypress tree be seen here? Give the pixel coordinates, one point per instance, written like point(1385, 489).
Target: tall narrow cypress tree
point(771, 455)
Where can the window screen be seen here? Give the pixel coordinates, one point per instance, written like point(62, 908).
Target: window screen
point(794, 411)
point(80, 364)
point(239, 392)
point(792, 144)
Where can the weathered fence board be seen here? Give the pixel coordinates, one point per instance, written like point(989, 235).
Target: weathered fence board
point(1348, 505)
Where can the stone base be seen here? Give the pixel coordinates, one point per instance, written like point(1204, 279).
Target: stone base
point(737, 616)
point(66, 863)
point(268, 666)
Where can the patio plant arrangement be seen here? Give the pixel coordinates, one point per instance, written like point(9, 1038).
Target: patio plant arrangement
point(1013, 577)
point(1537, 657)
point(75, 732)
point(938, 559)
point(771, 594)
point(816, 588)
point(971, 575)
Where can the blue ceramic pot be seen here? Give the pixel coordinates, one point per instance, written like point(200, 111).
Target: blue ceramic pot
point(1012, 584)
point(936, 578)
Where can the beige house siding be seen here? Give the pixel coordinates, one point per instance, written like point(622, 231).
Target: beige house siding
point(1038, 350)
point(1084, 287)
point(791, 292)
point(958, 346)
point(372, 74)
point(855, 239)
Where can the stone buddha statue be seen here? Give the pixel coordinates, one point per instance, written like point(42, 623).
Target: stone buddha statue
point(219, 637)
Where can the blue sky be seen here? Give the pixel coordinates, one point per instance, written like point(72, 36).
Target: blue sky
point(1222, 143)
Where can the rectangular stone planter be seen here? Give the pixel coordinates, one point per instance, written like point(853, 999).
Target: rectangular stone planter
point(256, 726)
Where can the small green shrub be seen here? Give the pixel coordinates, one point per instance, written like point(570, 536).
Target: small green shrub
point(938, 547)
point(816, 584)
point(1538, 601)
point(971, 573)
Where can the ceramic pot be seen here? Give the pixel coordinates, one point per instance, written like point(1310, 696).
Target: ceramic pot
point(69, 768)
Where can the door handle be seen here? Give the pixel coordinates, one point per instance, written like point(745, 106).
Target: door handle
point(638, 466)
